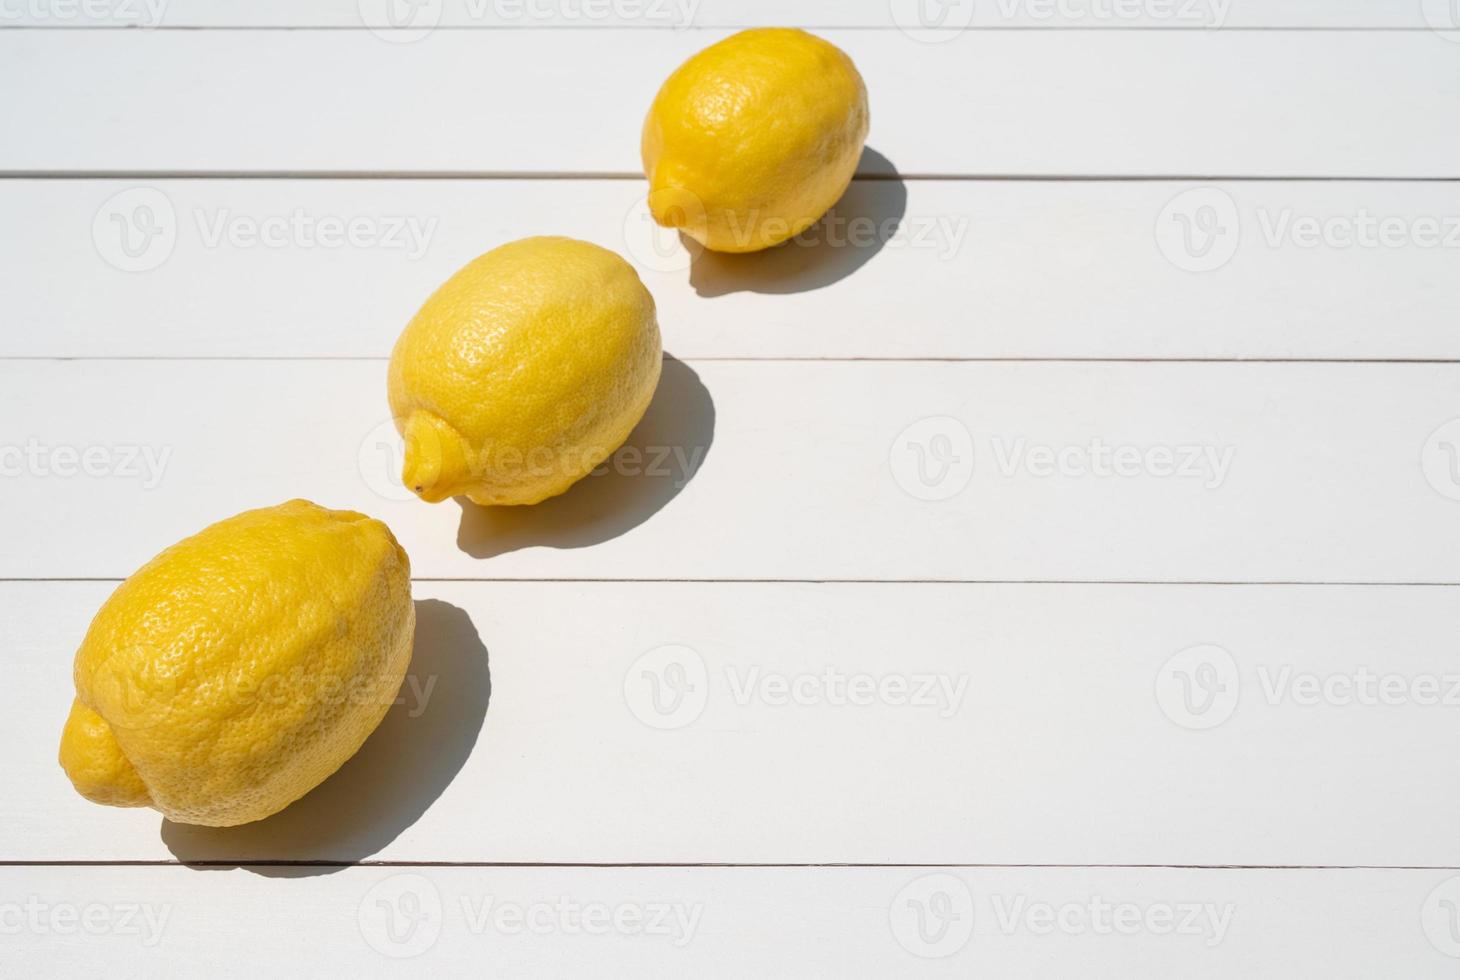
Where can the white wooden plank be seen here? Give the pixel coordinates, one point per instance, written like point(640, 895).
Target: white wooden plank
point(1040, 725)
point(731, 922)
point(997, 102)
point(801, 470)
point(972, 269)
point(681, 14)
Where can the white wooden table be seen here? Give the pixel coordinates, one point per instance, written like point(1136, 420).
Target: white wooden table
point(1058, 579)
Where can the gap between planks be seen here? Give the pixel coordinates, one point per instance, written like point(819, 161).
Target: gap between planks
point(731, 359)
point(525, 175)
point(1119, 583)
point(714, 28)
point(162, 863)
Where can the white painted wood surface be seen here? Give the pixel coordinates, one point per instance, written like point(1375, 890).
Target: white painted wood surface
point(1130, 716)
point(682, 14)
point(1253, 103)
point(732, 922)
point(903, 268)
point(1008, 725)
point(787, 470)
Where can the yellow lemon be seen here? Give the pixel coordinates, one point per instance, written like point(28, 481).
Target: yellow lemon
point(237, 670)
point(750, 141)
point(523, 372)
